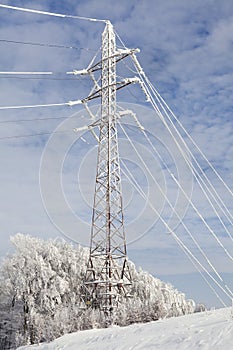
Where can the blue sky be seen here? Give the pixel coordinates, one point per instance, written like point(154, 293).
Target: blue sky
point(187, 52)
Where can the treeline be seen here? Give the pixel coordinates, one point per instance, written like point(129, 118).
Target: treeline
point(40, 293)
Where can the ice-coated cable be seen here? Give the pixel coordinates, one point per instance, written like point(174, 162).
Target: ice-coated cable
point(170, 204)
point(182, 245)
point(218, 199)
point(198, 165)
point(70, 103)
point(51, 13)
point(155, 106)
point(142, 129)
point(201, 217)
point(156, 94)
point(199, 180)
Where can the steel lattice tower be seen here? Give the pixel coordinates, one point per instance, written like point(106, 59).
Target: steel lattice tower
point(107, 275)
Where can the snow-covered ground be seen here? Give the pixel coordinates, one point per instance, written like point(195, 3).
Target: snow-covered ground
point(212, 330)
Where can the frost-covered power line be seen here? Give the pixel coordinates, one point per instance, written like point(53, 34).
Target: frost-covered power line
point(70, 103)
point(51, 13)
point(194, 260)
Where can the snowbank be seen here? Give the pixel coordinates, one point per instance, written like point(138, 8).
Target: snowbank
point(211, 330)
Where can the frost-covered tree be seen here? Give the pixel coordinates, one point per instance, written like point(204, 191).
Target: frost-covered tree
point(200, 308)
point(43, 280)
point(152, 299)
point(41, 287)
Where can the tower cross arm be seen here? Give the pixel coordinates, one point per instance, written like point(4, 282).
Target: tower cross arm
point(117, 85)
point(118, 54)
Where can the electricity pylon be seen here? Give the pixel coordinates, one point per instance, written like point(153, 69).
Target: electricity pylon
point(107, 277)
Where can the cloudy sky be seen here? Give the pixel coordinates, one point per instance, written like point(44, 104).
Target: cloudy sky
point(46, 182)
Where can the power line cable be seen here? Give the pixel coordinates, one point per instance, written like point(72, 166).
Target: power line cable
point(33, 106)
point(194, 143)
point(185, 249)
point(163, 106)
point(142, 129)
point(185, 227)
point(70, 103)
point(82, 72)
point(38, 78)
point(30, 120)
point(45, 45)
point(40, 75)
point(156, 107)
point(140, 72)
point(208, 186)
point(32, 135)
point(44, 133)
point(143, 76)
point(193, 172)
point(132, 180)
point(167, 199)
point(52, 13)
point(25, 73)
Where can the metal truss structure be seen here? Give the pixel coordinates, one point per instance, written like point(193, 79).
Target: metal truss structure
point(108, 278)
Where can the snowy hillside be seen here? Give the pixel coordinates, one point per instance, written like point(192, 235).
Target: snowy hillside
point(211, 330)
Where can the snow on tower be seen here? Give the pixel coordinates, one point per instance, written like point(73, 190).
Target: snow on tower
point(107, 276)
